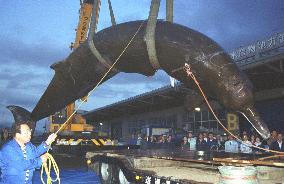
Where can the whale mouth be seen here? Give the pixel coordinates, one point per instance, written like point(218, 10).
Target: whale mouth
point(258, 124)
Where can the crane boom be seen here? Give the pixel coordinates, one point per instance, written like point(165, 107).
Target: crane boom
point(77, 123)
point(81, 36)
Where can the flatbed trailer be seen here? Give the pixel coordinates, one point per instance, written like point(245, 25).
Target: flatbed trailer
point(177, 166)
point(82, 149)
point(79, 145)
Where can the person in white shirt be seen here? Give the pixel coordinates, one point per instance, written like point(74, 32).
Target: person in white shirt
point(192, 141)
point(257, 141)
point(246, 145)
point(139, 140)
point(231, 145)
point(205, 136)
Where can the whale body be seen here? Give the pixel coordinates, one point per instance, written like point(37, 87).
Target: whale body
point(175, 45)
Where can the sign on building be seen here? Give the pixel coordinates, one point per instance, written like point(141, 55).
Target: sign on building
point(256, 49)
point(233, 122)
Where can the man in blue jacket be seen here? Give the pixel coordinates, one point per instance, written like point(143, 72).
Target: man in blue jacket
point(19, 157)
point(211, 143)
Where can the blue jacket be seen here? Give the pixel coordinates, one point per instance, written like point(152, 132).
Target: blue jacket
point(14, 166)
point(210, 144)
point(275, 146)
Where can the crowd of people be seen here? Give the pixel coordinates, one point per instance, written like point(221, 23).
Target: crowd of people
point(207, 141)
point(275, 142)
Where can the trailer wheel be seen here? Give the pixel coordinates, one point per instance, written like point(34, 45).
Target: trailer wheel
point(105, 173)
point(122, 178)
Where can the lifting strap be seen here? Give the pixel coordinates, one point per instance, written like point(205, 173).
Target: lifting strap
point(149, 37)
point(169, 18)
point(170, 10)
point(92, 31)
point(111, 13)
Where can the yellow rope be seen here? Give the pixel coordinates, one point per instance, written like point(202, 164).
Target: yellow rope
point(51, 163)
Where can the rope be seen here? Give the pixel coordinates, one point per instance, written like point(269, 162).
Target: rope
point(51, 163)
point(189, 72)
point(269, 157)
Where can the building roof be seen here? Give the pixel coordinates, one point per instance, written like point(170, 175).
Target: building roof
point(158, 99)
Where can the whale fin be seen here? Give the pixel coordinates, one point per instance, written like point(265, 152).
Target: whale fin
point(58, 65)
point(20, 114)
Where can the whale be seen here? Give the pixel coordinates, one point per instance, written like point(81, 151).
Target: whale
point(175, 45)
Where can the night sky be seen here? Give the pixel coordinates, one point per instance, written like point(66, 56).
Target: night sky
point(36, 33)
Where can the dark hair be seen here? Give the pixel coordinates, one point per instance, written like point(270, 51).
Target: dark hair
point(16, 127)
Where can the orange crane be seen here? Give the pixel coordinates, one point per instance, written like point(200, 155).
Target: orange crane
point(77, 123)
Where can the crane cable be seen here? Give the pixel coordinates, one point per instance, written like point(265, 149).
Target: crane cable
point(51, 161)
point(111, 13)
point(190, 73)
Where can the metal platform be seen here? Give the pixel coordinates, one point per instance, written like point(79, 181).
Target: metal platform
point(214, 157)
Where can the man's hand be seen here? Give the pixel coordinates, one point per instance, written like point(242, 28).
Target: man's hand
point(43, 158)
point(51, 138)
